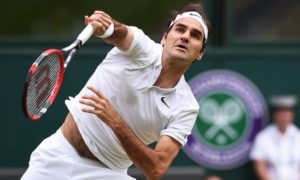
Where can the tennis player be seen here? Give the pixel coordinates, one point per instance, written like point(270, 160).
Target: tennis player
point(136, 96)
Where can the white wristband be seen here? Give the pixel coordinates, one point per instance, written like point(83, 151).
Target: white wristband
point(109, 31)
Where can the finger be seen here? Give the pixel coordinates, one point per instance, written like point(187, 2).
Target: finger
point(100, 18)
point(91, 97)
point(105, 21)
point(100, 23)
point(86, 20)
point(100, 29)
point(102, 13)
point(89, 111)
point(98, 101)
point(97, 92)
point(88, 103)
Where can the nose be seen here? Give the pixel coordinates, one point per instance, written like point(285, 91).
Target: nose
point(185, 37)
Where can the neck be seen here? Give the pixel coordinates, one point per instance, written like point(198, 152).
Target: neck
point(166, 80)
point(282, 130)
point(169, 75)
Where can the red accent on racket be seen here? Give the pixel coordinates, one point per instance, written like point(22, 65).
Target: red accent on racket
point(45, 76)
point(42, 83)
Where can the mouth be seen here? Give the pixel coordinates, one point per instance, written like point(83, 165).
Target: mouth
point(182, 47)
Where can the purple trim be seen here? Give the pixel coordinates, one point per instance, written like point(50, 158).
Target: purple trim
point(231, 82)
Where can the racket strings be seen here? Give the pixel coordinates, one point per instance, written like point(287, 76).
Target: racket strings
point(42, 84)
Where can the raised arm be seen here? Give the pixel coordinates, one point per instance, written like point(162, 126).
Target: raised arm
point(122, 36)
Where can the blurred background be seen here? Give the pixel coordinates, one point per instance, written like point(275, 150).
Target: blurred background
point(257, 39)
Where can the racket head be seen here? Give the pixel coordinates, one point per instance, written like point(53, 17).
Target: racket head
point(42, 83)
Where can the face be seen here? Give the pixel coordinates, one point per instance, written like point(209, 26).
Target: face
point(283, 117)
point(184, 41)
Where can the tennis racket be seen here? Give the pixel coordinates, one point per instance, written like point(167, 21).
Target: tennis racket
point(46, 74)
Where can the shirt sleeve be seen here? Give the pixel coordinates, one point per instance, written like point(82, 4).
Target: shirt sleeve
point(259, 151)
point(181, 125)
point(142, 50)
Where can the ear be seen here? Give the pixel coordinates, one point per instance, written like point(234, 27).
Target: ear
point(200, 55)
point(163, 39)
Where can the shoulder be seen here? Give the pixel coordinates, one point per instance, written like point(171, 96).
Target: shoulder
point(142, 50)
point(266, 133)
point(294, 130)
point(140, 40)
point(262, 144)
point(186, 95)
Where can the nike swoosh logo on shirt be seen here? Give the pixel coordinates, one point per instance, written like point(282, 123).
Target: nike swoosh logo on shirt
point(163, 100)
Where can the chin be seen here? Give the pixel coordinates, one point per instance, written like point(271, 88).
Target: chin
point(180, 56)
point(181, 61)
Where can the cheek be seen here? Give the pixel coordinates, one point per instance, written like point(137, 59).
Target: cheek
point(196, 46)
point(196, 51)
point(167, 42)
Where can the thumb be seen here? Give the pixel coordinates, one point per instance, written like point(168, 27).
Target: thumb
point(86, 20)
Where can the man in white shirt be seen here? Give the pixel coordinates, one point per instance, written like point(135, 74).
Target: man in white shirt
point(276, 150)
point(136, 96)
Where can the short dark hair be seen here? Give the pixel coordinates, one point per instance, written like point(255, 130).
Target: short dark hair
point(198, 7)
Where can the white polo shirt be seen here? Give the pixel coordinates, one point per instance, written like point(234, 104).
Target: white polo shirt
point(281, 152)
point(126, 78)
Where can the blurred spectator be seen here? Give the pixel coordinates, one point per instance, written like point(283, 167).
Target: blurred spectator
point(212, 178)
point(276, 150)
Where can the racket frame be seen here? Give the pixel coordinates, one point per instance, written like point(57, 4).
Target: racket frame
point(72, 48)
point(30, 75)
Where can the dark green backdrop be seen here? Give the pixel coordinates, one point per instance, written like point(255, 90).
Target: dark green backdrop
point(273, 70)
point(29, 27)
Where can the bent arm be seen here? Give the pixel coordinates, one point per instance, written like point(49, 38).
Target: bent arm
point(153, 162)
point(122, 36)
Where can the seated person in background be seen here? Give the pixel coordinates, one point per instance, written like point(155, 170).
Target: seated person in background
point(276, 150)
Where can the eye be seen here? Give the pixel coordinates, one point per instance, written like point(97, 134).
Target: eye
point(180, 30)
point(195, 35)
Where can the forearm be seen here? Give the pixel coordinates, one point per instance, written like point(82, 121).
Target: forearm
point(261, 170)
point(147, 159)
point(119, 35)
point(122, 36)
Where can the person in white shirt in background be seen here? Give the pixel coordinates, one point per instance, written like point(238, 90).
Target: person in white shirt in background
point(276, 149)
point(137, 95)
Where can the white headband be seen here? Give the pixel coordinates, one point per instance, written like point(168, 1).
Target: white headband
point(195, 15)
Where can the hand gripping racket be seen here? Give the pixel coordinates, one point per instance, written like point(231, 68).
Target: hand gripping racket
point(46, 74)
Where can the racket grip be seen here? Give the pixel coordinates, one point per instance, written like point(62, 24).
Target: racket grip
point(86, 33)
